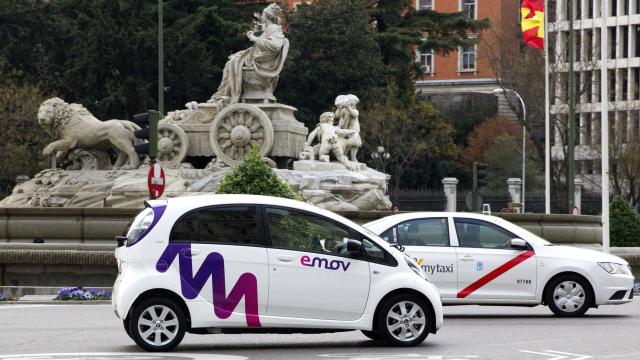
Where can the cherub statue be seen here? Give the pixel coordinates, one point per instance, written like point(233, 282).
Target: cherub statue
point(330, 141)
point(347, 113)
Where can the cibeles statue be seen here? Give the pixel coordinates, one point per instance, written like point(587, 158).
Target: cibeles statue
point(251, 75)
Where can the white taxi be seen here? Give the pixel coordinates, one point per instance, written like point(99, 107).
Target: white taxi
point(241, 263)
point(480, 259)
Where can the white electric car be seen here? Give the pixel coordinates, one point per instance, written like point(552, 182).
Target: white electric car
point(486, 260)
point(243, 263)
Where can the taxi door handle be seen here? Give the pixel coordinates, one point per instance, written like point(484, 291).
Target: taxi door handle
point(284, 258)
point(466, 258)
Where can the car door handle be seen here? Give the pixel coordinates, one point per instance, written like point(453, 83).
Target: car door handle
point(190, 252)
point(466, 258)
point(284, 258)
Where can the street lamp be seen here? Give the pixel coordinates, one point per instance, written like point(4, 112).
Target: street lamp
point(497, 92)
point(380, 156)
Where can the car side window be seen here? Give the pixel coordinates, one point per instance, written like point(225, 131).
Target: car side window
point(419, 232)
point(374, 253)
point(296, 230)
point(236, 225)
point(474, 233)
point(229, 225)
point(186, 228)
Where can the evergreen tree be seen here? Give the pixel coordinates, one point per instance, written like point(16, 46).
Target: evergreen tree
point(254, 176)
point(333, 51)
point(401, 29)
point(199, 37)
point(625, 223)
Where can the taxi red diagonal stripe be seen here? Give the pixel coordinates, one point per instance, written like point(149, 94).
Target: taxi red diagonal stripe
point(495, 273)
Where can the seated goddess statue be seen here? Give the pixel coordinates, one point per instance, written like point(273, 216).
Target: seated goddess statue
point(257, 68)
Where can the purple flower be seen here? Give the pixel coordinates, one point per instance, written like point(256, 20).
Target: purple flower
point(79, 293)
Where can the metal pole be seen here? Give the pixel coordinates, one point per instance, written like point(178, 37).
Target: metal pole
point(524, 147)
point(604, 126)
point(571, 170)
point(160, 61)
point(547, 127)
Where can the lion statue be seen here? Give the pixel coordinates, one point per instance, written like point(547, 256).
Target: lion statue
point(76, 128)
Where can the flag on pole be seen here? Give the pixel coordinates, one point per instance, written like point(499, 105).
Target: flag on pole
point(532, 12)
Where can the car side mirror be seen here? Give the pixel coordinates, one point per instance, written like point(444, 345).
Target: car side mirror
point(354, 247)
point(518, 244)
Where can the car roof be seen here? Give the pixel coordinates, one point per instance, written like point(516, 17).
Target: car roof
point(187, 203)
point(397, 218)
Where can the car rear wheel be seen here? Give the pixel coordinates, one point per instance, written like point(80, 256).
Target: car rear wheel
point(371, 335)
point(157, 324)
point(403, 320)
point(569, 296)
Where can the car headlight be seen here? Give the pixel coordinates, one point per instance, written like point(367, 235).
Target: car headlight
point(614, 268)
point(416, 268)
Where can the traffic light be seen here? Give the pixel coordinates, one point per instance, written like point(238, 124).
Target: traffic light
point(479, 174)
point(479, 179)
point(149, 131)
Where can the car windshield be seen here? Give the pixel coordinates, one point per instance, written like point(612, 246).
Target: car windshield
point(371, 234)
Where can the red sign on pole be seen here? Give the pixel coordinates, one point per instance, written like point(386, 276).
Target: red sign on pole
point(155, 181)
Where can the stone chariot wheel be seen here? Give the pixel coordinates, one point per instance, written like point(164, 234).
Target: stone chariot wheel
point(236, 129)
point(173, 144)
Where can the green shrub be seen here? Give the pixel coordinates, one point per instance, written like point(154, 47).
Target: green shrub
point(254, 176)
point(625, 223)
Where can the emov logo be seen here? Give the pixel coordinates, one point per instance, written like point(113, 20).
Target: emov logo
point(322, 262)
point(213, 266)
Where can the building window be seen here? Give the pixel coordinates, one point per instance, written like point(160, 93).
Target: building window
point(468, 8)
point(424, 4)
point(468, 58)
point(426, 61)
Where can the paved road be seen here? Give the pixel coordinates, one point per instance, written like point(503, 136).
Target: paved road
point(469, 332)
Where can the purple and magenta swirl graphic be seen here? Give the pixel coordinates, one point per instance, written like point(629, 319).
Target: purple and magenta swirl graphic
point(213, 266)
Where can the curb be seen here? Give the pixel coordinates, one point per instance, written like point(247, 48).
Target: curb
point(56, 302)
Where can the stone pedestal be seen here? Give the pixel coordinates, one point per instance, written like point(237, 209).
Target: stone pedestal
point(450, 191)
point(514, 186)
point(327, 185)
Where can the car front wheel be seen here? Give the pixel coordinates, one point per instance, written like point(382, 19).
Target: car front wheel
point(569, 296)
point(157, 324)
point(403, 320)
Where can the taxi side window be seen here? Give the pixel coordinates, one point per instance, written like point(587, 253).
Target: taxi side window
point(474, 233)
point(301, 231)
point(237, 225)
point(419, 232)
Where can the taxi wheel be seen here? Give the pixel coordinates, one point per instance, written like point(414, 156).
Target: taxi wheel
point(371, 335)
point(157, 324)
point(403, 320)
point(569, 295)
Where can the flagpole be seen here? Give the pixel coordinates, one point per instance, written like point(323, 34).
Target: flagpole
point(547, 109)
point(604, 126)
point(571, 121)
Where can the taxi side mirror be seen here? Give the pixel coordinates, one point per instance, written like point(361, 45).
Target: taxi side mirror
point(518, 244)
point(354, 247)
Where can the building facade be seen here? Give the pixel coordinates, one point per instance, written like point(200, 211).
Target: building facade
point(468, 69)
point(621, 21)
